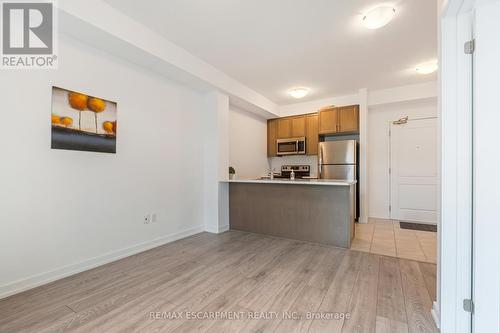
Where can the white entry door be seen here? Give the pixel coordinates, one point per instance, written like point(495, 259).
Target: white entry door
point(414, 170)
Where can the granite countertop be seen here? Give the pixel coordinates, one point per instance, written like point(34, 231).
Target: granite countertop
point(328, 182)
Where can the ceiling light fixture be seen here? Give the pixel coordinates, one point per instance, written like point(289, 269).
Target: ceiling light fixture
point(378, 17)
point(427, 67)
point(299, 92)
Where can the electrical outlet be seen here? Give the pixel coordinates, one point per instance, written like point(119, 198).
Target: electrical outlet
point(153, 218)
point(147, 219)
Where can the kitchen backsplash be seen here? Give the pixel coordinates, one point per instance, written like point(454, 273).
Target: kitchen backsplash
point(277, 162)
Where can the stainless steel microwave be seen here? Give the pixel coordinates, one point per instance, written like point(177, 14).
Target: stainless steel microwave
point(291, 146)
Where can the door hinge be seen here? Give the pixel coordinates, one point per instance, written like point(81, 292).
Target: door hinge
point(470, 46)
point(390, 208)
point(390, 170)
point(468, 305)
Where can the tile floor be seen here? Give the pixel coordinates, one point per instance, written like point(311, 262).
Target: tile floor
point(385, 237)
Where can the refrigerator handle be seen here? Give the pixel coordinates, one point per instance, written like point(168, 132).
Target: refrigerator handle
point(320, 161)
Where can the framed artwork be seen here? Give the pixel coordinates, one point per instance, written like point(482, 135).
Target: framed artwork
point(83, 122)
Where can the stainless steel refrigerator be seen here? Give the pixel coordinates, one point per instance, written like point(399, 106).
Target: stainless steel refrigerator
point(339, 160)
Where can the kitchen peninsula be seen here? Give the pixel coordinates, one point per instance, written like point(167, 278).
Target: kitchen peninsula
point(314, 210)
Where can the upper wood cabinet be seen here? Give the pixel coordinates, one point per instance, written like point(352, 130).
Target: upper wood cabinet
point(348, 118)
point(298, 126)
point(291, 127)
point(284, 128)
point(312, 134)
point(272, 132)
point(328, 120)
point(335, 120)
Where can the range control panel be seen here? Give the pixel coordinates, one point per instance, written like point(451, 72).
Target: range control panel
point(299, 170)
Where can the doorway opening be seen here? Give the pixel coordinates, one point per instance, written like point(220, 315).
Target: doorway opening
point(404, 178)
point(406, 146)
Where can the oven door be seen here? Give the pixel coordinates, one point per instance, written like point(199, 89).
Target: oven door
point(293, 146)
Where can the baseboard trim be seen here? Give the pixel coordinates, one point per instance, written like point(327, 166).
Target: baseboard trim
point(224, 228)
point(379, 217)
point(217, 230)
point(435, 314)
point(44, 278)
point(362, 219)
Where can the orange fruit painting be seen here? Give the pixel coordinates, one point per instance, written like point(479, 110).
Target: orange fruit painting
point(108, 126)
point(81, 121)
point(77, 101)
point(67, 121)
point(96, 104)
point(56, 120)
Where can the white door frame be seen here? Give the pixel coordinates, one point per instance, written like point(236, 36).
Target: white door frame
point(391, 167)
point(455, 228)
point(486, 212)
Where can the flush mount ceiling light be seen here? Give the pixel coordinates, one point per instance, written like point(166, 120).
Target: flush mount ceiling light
point(427, 67)
point(378, 17)
point(299, 92)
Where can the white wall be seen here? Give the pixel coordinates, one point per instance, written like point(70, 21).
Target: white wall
point(63, 211)
point(314, 106)
point(403, 94)
point(247, 143)
point(379, 119)
point(248, 147)
point(216, 156)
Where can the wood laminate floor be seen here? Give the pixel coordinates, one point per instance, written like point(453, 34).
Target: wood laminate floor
point(258, 283)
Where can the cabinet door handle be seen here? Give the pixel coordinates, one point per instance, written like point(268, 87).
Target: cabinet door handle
point(320, 162)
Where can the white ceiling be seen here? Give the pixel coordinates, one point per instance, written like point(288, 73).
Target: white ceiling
point(274, 45)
